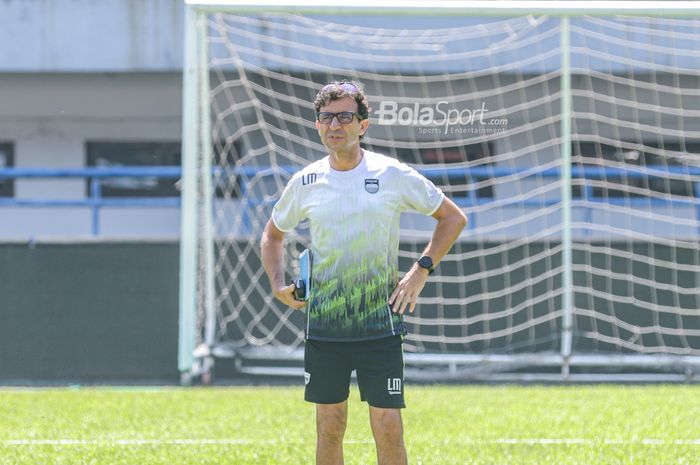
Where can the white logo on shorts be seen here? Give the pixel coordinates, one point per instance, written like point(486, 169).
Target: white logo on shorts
point(393, 385)
point(307, 378)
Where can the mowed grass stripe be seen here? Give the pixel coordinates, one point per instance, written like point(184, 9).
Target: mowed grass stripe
point(235, 442)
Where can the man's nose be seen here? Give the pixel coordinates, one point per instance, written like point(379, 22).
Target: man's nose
point(335, 123)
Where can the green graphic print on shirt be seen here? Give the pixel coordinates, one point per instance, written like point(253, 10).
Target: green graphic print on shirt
point(353, 303)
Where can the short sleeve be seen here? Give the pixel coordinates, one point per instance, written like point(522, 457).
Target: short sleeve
point(419, 193)
point(286, 213)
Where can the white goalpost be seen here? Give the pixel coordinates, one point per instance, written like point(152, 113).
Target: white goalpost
point(568, 132)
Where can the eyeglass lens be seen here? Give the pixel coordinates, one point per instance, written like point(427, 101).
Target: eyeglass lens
point(344, 117)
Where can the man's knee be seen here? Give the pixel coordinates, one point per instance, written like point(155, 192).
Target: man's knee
point(331, 421)
point(387, 424)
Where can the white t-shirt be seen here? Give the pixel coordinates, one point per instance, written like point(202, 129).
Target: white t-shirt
point(354, 221)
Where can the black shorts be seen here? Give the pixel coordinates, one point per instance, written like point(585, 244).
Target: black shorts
point(378, 364)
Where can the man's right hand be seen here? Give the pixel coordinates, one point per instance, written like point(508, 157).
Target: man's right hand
point(286, 296)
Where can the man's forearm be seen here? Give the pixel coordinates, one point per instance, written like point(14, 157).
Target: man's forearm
point(451, 220)
point(446, 233)
point(272, 252)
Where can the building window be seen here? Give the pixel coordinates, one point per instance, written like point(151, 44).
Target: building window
point(135, 154)
point(653, 155)
point(7, 160)
point(150, 154)
point(465, 157)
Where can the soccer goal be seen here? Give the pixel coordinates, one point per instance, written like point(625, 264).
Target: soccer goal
point(568, 132)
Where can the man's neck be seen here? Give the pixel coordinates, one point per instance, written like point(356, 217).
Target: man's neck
point(346, 160)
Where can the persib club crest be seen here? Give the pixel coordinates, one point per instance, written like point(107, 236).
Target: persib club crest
point(372, 185)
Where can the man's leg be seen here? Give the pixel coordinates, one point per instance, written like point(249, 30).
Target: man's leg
point(331, 420)
point(387, 429)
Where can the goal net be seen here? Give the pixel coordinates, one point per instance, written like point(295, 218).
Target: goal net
point(571, 143)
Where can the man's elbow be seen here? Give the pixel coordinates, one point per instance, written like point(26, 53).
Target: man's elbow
point(460, 219)
point(456, 217)
point(451, 214)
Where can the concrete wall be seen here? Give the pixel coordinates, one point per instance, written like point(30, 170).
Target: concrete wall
point(78, 71)
point(91, 36)
point(90, 311)
point(50, 118)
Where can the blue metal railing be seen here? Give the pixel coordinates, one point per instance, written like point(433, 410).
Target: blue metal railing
point(96, 177)
point(95, 200)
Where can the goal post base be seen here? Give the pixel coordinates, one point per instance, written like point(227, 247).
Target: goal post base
point(526, 368)
point(202, 370)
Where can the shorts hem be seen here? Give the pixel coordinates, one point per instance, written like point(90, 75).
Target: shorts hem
point(400, 407)
point(324, 401)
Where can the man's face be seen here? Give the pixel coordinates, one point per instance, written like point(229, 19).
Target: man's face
point(337, 136)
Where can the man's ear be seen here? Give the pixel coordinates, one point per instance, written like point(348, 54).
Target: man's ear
point(364, 124)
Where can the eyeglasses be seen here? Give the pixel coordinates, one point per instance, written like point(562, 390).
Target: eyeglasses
point(346, 86)
point(344, 117)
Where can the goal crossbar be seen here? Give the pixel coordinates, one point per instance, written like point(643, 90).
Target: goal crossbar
point(447, 7)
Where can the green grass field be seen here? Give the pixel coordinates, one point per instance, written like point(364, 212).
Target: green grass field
point(272, 425)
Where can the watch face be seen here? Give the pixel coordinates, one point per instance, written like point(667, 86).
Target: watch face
point(426, 262)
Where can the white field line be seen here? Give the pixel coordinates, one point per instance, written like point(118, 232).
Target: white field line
point(245, 442)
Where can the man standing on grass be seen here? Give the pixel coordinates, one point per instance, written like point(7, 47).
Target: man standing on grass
point(353, 199)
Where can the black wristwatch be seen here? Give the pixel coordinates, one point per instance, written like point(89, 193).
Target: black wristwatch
point(427, 263)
